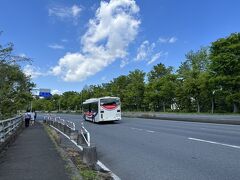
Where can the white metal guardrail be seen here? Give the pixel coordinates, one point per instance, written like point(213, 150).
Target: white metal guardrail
point(8, 127)
point(85, 134)
point(71, 125)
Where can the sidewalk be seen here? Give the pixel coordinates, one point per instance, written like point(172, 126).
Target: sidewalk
point(32, 156)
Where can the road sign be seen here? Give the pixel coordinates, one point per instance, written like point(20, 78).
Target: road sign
point(45, 93)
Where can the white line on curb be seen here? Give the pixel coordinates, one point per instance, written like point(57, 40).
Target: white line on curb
point(212, 142)
point(114, 176)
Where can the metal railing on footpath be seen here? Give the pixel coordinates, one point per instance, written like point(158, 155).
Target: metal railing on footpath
point(8, 127)
point(69, 128)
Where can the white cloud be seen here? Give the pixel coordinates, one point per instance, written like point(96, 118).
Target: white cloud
point(163, 40)
point(64, 13)
point(33, 71)
point(75, 10)
point(124, 62)
point(104, 78)
point(55, 91)
point(22, 55)
point(144, 51)
point(172, 40)
point(157, 56)
point(64, 40)
point(108, 35)
point(147, 52)
point(167, 40)
point(56, 46)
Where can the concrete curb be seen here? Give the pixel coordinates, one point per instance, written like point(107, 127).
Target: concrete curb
point(185, 118)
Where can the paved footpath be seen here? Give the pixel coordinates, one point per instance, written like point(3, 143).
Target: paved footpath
point(32, 156)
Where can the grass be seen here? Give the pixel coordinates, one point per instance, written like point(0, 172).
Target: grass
point(85, 171)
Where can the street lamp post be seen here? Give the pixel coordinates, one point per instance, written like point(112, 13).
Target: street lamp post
point(213, 101)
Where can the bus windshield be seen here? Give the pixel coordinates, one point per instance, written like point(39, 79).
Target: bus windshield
point(110, 101)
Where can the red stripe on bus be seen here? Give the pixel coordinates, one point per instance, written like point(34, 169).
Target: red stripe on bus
point(109, 107)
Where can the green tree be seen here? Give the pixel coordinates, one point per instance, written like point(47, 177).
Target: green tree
point(134, 91)
point(118, 88)
point(14, 84)
point(70, 100)
point(191, 72)
point(158, 71)
point(160, 90)
point(225, 67)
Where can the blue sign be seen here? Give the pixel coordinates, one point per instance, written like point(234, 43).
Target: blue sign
point(45, 94)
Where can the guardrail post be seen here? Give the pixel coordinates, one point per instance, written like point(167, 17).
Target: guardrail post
point(90, 155)
point(44, 119)
point(10, 124)
point(1, 133)
point(74, 135)
point(59, 125)
point(2, 139)
point(80, 139)
point(66, 129)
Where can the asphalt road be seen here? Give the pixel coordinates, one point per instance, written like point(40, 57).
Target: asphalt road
point(146, 149)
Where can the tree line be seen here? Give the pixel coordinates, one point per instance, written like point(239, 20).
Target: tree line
point(208, 80)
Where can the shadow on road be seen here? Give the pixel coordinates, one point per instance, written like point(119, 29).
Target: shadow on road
point(108, 123)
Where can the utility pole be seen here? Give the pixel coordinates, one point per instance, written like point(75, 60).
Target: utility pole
point(213, 101)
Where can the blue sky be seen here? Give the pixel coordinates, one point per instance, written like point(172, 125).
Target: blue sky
point(74, 43)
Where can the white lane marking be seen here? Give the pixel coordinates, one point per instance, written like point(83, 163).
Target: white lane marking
point(143, 130)
point(212, 142)
point(114, 176)
point(137, 129)
point(150, 131)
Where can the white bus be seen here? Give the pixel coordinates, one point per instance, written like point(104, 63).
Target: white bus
point(102, 109)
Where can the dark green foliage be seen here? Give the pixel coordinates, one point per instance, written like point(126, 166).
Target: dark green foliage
point(225, 67)
point(160, 90)
point(14, 84)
